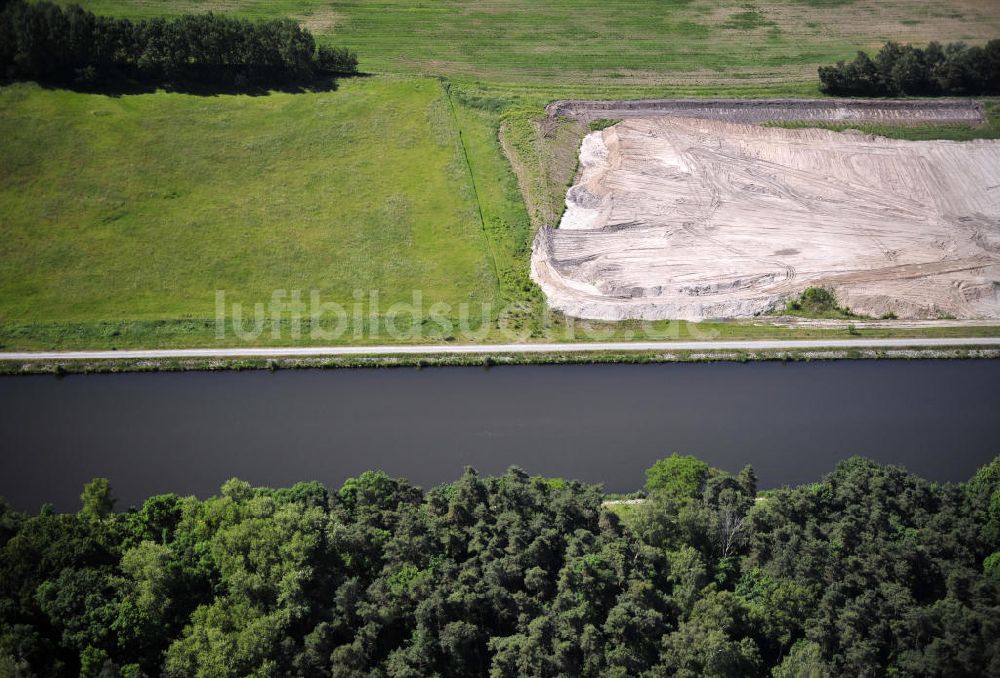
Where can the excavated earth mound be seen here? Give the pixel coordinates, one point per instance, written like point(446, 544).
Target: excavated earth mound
point(680, 218)
point(895, 111)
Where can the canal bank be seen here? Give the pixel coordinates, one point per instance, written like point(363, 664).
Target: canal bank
point(238, 358)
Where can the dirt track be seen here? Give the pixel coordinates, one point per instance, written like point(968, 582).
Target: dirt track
point(694, 218)
point(898, 343)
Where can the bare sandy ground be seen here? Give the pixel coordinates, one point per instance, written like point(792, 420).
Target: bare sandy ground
point(697, 218)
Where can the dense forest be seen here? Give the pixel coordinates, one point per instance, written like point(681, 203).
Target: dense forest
point(42, 41)
point(898, 70)
point(871, 572)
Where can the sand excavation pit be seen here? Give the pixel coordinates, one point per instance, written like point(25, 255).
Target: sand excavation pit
point(681, 218)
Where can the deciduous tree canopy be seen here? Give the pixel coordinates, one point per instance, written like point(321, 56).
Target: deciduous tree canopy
point(870, 572)
point(897, 70)
point(43, 41)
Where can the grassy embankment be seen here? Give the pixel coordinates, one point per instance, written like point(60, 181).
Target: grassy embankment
point(64, 367)
point(121, 226)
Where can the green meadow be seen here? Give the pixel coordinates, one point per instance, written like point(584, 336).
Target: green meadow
point(121, 216)
point(138, 208)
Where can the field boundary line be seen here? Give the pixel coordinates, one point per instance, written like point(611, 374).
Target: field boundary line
point(446, 87)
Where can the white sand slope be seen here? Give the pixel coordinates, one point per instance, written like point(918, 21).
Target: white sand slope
point(694, 219)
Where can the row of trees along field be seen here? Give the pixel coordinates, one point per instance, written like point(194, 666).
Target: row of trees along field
point(954, 69)
point(871, 572)
point(42, 41)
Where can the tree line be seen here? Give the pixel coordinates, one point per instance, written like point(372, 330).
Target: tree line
point(871, 572)
point(42, 41)
point(898, 70)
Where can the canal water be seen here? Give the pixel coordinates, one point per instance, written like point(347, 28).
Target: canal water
point(189, 432)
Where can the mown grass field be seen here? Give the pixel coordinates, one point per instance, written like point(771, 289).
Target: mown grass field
point(585, 47)
point(139, 208)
